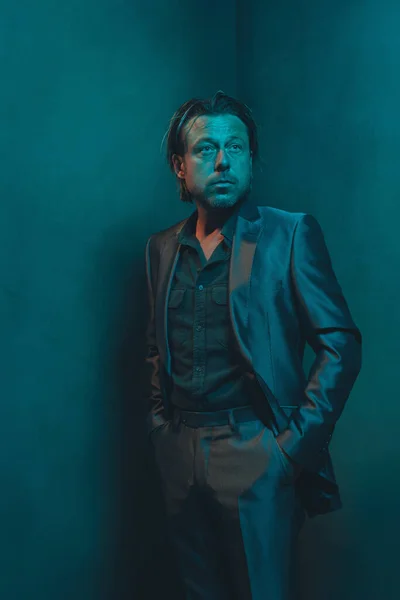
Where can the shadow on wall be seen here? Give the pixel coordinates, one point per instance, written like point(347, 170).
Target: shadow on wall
point(140, 559)
point(336, 560)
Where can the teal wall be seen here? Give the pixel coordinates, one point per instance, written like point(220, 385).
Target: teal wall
point(323, 79)
point(87, 90)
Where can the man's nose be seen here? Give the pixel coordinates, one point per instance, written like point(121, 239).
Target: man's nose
point(222, 160)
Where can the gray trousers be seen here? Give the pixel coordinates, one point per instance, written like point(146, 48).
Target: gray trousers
point(233, 512)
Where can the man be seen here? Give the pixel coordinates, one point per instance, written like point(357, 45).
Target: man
point(240, 435)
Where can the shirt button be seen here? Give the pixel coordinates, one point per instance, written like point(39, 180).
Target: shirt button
point(201, 287)
point(198, 369)
point(198, 327)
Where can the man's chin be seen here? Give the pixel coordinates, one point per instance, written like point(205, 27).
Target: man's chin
point(221, 203)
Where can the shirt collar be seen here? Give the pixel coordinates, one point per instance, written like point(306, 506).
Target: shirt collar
point(189, 229)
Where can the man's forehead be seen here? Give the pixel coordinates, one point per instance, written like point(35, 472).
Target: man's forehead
point(209, 124)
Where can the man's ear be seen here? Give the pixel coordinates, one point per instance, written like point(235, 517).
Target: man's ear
point(178, 166)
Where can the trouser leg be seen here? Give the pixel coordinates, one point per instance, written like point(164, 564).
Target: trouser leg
point(251, 484)
point(190, 524)
point(233, 511)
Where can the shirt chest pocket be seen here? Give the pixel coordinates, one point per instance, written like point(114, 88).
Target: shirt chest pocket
point(175, 299)
point(219, 314)
point(177, 316)
point(219, 295)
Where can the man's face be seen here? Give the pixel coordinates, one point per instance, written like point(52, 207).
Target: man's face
point(216, 148)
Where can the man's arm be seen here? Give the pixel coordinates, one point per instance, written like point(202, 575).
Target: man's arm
point(331, 332)
point(152, 387)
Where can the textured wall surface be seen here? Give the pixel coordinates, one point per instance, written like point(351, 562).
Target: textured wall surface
point(87, 90)
point(323, 80)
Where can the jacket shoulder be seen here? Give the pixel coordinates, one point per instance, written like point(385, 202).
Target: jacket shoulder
point(280, 214)
point(157, 239)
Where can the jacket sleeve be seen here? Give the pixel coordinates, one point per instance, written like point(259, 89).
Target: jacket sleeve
point(151, 388)
point(331, 332)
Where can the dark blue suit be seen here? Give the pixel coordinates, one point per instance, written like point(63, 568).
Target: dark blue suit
point(282, 292)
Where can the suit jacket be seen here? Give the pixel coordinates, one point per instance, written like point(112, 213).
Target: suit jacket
point(282, 292)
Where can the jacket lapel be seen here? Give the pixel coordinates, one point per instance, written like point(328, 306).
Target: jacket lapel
point(168, 260)
point(248, 229)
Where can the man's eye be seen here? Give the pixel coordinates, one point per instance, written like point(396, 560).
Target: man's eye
point(207, 149)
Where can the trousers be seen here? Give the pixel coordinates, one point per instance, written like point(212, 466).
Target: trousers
point(233, 512)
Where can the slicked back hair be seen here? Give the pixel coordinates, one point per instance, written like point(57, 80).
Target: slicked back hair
point(219, 104)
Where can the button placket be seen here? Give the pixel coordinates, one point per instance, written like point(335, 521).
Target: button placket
point(199, 340)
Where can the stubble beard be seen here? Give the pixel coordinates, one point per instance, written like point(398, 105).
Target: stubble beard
point(221, 203)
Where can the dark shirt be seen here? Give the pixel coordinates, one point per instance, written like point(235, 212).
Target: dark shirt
point(208, 370)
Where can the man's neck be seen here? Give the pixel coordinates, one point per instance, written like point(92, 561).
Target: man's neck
point(210, 222)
